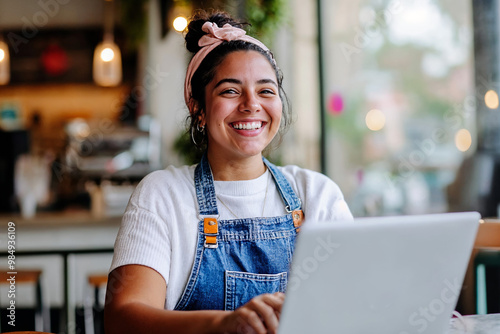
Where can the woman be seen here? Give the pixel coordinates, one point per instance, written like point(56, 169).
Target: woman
point(217, 238)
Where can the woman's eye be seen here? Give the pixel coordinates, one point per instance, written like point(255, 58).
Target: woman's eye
point(229, 91)
point(267, 91)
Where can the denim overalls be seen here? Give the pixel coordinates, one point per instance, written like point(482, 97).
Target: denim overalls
point(239, 259)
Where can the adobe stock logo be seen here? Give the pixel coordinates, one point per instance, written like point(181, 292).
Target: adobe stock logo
point(324, 248)
point(425, 315)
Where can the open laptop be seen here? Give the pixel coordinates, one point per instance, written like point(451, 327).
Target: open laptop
point(385, 275)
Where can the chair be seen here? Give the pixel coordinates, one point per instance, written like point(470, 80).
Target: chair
point(96, 282)
point(484, 259)
point(42, 314)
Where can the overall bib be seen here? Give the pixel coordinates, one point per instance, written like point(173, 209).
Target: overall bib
point(239, 259)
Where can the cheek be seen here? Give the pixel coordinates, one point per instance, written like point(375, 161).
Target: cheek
point(215, 120)
point(278, 112)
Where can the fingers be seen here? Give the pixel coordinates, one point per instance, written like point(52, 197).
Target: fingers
point(250, 322)
point(275, 301)
point(264, 311)
point(259, 316)
point(280, 299)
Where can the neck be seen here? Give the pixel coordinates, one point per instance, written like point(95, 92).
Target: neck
point(247, 168)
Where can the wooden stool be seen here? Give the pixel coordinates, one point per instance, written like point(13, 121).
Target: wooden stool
point(42, 315)
point(96, 282)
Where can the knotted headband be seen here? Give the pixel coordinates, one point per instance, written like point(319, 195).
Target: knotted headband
point(214, 37)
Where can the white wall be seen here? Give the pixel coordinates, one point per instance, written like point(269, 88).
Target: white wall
point(302, 147)
point(167, 56)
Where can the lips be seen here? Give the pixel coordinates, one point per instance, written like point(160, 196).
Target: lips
point(247, 125)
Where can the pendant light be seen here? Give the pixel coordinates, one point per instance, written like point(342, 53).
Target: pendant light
point(107, 69)
point(4, 62)
point(179, 15)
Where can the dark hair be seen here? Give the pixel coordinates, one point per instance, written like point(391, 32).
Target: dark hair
point(206, 71)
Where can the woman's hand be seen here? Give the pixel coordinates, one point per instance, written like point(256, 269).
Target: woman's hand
point(259, 316)
point(135, 304)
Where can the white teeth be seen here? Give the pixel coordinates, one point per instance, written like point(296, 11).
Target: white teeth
point(248, 126)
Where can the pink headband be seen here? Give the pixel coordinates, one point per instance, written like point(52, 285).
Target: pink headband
point(214, 37)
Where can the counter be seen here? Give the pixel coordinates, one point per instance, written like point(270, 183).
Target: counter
point(67, 246)
point(61, 230)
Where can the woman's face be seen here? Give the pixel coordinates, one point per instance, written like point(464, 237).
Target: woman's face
point(242, 106)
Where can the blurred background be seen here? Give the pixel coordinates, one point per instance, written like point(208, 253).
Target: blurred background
point(395, 100)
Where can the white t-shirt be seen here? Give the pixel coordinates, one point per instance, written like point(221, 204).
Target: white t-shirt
point(159, 228)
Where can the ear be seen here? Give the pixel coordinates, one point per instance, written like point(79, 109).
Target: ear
point(196, 111)
point(192, 106)
point(201, 118)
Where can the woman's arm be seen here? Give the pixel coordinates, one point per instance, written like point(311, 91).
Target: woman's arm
point(135, 301)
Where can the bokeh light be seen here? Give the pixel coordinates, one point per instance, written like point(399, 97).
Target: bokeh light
point(180, 23)
point(107, 55)
point(491, 99)
point(463, 140)
point(335, 104)
point(2, 55)
point(375, 120)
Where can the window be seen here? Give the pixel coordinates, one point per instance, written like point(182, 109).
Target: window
point(399, 83)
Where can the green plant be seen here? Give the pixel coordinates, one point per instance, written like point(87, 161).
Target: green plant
point(133, 16)
point(185, 148)
point(265, 16)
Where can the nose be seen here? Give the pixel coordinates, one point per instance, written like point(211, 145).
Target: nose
point(249, 103)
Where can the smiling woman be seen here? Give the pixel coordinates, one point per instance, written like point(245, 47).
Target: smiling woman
point(207, 59)
point(217, 238)
point(242, 111)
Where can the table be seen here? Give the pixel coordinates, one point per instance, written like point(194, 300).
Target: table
point(47, 233)
point(476, 324)
point(63, 234)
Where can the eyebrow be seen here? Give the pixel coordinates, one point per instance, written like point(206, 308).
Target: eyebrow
point(239, 82)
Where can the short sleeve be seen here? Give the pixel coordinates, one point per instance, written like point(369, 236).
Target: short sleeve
point(322, 199)
point(143, 239)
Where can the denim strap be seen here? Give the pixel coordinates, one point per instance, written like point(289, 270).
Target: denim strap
point(205, 190)
point(289, 197)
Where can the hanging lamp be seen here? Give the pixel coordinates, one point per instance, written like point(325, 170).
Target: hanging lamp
point(179, 14)
point(107, 68)
point(4, 62)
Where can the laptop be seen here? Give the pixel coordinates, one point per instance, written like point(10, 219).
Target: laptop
point(383, 275)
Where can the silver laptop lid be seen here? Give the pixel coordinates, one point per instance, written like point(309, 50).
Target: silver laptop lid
point(386, 275)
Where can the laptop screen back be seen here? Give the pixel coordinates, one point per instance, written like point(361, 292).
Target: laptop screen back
point(398, 275)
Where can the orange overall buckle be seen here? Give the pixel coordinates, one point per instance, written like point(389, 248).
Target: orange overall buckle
point(210, 229)
point(298, 217)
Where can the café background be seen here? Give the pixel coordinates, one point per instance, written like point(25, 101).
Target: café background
point(396, 101)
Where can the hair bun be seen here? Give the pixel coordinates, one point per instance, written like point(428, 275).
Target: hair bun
point(194, 32)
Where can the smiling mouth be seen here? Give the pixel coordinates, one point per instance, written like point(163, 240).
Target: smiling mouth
point(246, 125)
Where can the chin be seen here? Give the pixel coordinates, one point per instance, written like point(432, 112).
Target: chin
point(251, 152)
